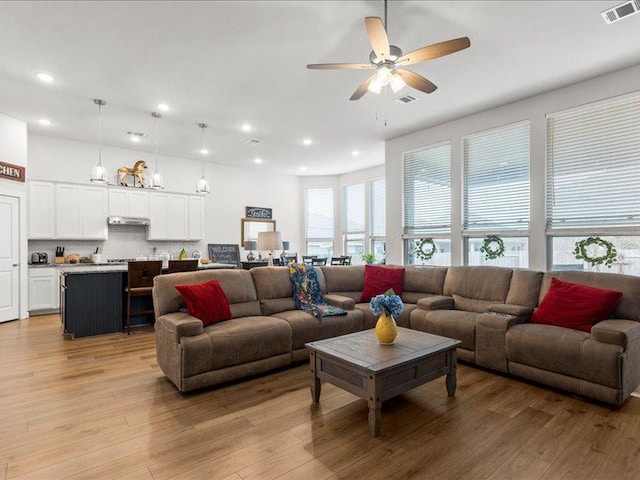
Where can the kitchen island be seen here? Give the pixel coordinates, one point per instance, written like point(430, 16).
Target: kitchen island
point(92, 298)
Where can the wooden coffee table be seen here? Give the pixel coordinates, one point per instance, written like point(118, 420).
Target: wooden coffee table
point(358, 364)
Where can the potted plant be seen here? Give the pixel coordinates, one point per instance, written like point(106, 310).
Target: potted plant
point(369, 258)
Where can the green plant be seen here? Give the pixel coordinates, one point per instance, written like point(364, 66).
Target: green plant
point(609, 252)
point(369, 257)
point(491, 252)
point(421, 252)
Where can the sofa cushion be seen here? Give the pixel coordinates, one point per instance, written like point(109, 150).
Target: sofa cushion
point(563, 350)
point(307, 328)
point(274, 289)
point(448, 323)
point(347, 282)
point(524, 288)
point(479, 283)
point(472, 304)
point(238, 341)
point(206, 301)
point(422, 281)
point(378, 279)
point(575, 306)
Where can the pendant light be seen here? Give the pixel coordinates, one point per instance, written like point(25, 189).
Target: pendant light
point(203, 185)
point(99, 174)
point(157, 181)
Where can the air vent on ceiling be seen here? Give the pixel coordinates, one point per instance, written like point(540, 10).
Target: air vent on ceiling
point(621, 11)
point(406, 99)
point(252, 142)
point(140, 135)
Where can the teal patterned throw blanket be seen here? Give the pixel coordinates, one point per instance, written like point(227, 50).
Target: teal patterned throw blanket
point(307, 293)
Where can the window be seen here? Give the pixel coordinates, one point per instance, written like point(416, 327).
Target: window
point(319, 221)
point(496, 193)
point(593, 153)
point(354, 221)
point(378, 216)
point(427, 202)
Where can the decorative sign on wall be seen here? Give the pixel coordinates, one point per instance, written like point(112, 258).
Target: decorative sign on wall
point(258, 212)
point(14, 172)
point(224, 253)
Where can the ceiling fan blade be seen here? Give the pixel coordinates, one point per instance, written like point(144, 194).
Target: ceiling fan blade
point(434, 51)
point(377, 36)
point(362, 89)
point(340, 66)
point(416, 81)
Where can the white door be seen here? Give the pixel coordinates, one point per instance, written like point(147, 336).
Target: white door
point(9, 254)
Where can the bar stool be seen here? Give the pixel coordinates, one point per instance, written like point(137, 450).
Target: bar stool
point(140, 277)
point(183, 265)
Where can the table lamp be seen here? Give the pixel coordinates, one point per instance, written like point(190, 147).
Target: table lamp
point(250, 245)
point(269, 241)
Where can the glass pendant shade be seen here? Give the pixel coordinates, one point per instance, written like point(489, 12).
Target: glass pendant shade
point(397, 83)
point(202, 186)
point(99, 173)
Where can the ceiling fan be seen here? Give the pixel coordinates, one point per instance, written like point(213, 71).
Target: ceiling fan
point(389, 61)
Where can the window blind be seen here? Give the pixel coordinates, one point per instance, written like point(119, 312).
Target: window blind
point(378, 208)
point(354, 208)
point(496, 179)
point(319, 212)
point(427, 190)
point(593, 166)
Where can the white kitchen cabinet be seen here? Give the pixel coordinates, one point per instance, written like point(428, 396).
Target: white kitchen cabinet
point(175, 216)
point(42, 210)
point(196, 218)
point(43, 289)
point(81, 212)
point(125, 202)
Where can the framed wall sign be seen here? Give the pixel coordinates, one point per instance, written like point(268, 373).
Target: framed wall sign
point(224, 253)
point(14, 172)
point(258, 212)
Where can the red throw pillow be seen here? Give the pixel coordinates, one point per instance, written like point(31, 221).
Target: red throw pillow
point(576, 306)
point(206, 301)
point(378, 279)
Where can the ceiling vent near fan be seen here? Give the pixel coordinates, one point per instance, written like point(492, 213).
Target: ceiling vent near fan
point(406, 99)
point(252, 142)
point(621, 11)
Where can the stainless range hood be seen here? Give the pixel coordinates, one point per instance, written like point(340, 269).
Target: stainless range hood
point(143, 222)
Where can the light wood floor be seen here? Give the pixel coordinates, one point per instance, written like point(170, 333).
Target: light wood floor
point(100, 408)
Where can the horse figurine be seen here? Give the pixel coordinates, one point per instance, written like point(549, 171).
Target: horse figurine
point(135, 172)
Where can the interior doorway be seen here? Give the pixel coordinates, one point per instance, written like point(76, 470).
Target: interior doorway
point(9, 258)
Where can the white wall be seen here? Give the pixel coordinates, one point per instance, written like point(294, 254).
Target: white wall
point(232, 189)
point(533, 109)
point(13, 149)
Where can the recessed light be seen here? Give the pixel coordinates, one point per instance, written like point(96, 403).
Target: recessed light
point(302, 169)
point(44, 121)
point(258, 161)
point(246, 127)
point(45, 77)
point(307, 141)
point(204, 151)
point(164, 107)
point(355, 153)
point(135, 139)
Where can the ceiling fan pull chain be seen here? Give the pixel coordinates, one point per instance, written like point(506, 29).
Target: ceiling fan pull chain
point(386, 89)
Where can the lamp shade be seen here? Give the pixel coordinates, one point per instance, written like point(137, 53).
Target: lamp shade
point(286, 245)
point(251, 245)
point(269, 241)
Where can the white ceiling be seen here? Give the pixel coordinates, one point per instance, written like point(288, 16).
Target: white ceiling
point(229, 62)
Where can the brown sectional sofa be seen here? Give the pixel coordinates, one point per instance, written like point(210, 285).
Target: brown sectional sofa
point(487, 308)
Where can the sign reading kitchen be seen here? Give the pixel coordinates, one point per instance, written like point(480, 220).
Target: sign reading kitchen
point(258, 212)
point(14, 172)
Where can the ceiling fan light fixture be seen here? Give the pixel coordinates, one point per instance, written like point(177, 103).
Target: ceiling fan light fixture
point(375, 86)
point(397, 82)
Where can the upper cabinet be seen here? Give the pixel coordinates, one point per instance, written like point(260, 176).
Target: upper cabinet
point(67, 211)
point(42, 213)
point(130, 202)
point(175, 216)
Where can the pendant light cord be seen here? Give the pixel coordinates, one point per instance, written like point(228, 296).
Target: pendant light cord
point(156, 116)
point(100, 133)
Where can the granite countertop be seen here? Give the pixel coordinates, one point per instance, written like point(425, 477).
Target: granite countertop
point(80, 268)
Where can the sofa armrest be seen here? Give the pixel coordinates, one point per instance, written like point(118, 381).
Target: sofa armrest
point(345, 303)
point(437, 302)
point(616, 332)
point(491, 332)
point(509, 309)
point(180, 324)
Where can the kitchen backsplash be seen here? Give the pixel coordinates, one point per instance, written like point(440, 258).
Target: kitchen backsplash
point(125, 241)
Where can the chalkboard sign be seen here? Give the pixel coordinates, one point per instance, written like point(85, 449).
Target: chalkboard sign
point(258, 212)
point(224, 253)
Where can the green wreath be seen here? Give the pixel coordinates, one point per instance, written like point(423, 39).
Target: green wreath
point(610, 255)
point(420, 251)
point(491, 253)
